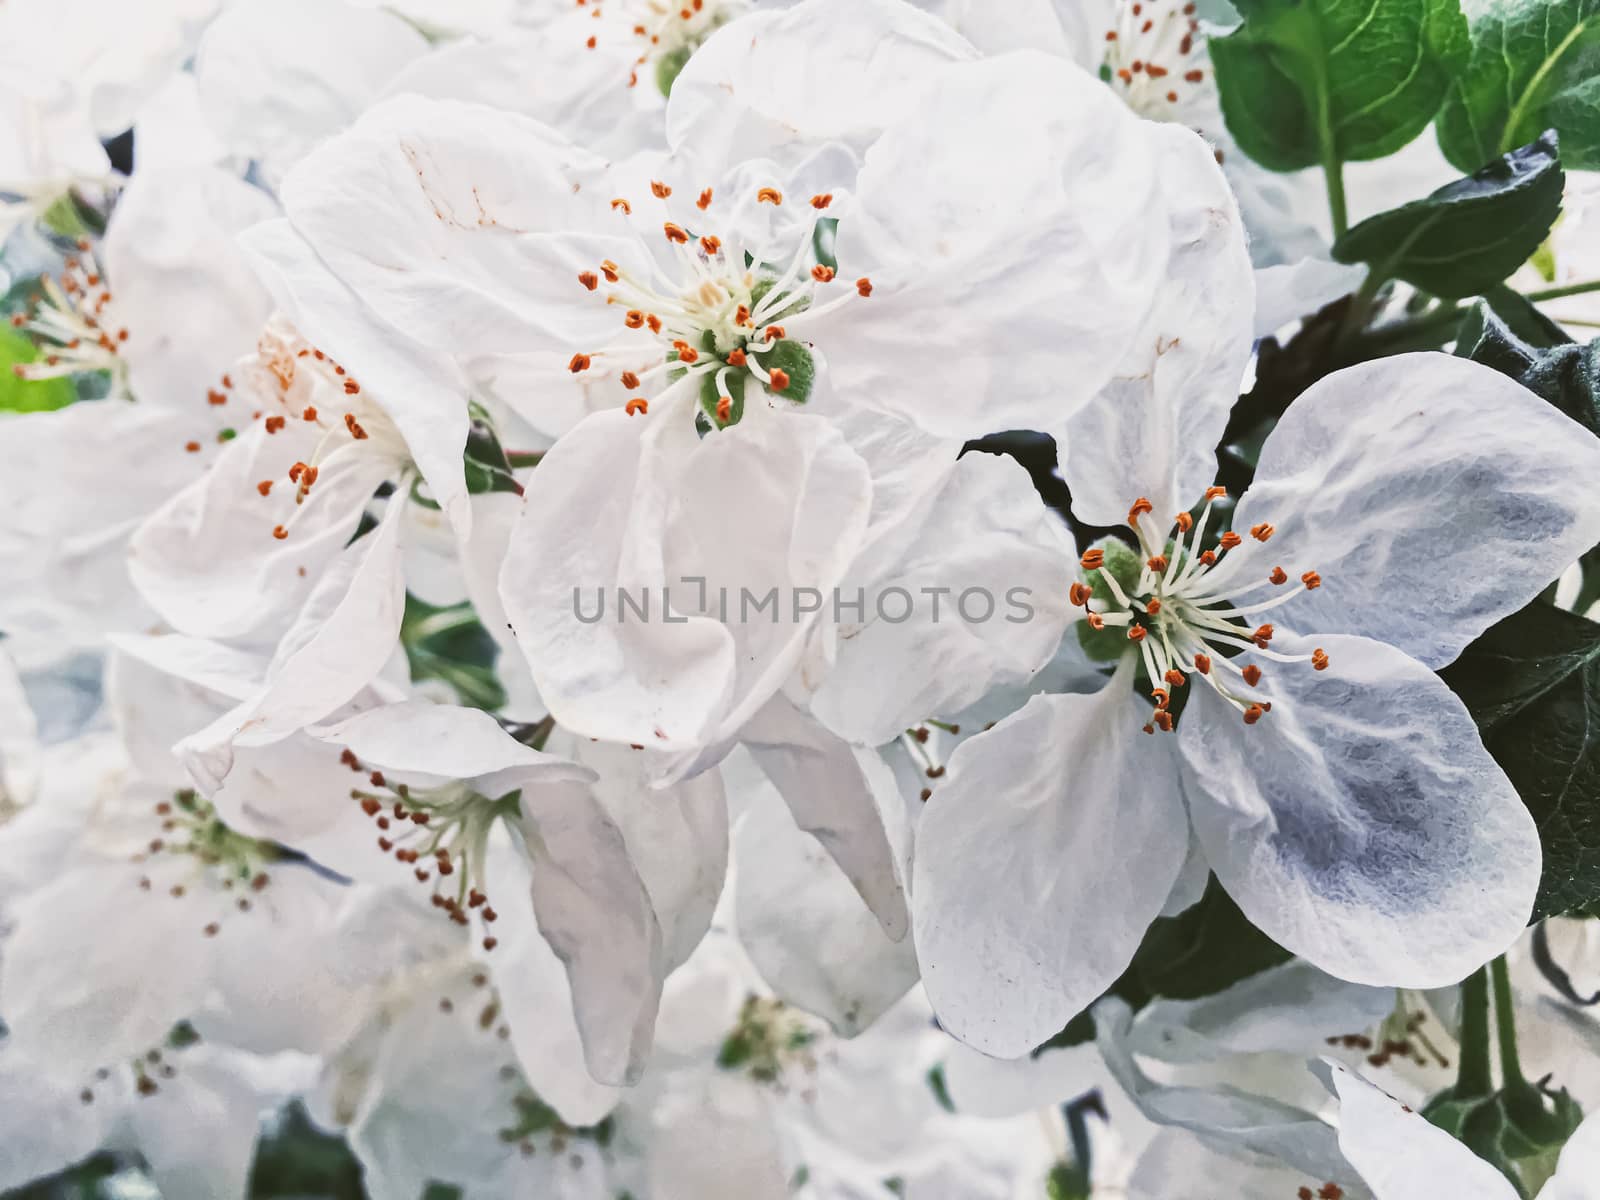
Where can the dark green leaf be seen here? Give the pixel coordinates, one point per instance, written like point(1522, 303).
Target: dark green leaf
point(1469, 235)
point(487, 466)
point(1304, 82)
point(1534, 65)
point(1566, 375)
point(450, 644)
point(1532, 683)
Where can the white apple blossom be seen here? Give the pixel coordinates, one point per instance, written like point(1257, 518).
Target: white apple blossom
point(1287, 760)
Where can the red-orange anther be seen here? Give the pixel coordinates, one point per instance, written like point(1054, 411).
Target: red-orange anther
point(1078, 595)
point(1092, 560)
point(192, 447)
point(1209, 558)
point(864, 286)
point(659, 190)
point(821, 200)
point(1279, 575)
point(711, 244)
point(309, 413)
point(351, 387)
point(637, 405)
point(589, 279)
point(1163, 718)
point(1137, 633)
point(279, 532)
point(705, 200)
point(1216, 493)
point(780, 379)
point(724, 408)
point(1202, 663)
point(1175, 678)
point(1161, 696)
point(1262, 635)
point(580, 362)
point(1140, 507)
point(737, 358)
point(633, 319)
point(1153, 605)
point(1096, 621)
point(1312, 581)
point(1183, 521)
point(1229, 540)
point(774, 333)
point(822, 274)
point(611, 271)
point(675, 233)
point(629, 380)
point(274, 424)
point(1252, 674)
point(1157, 563)
point(1253, 714)
point(1263, 531)
point(769, 195)
point(1319, 659)
point(264, 487)
point(622, 204)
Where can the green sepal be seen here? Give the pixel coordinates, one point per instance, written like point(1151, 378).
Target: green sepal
point(1111, 643)
point(23, 395)
point(795, 359)
point(669, 66)
point(709, 396)
point(485, 462)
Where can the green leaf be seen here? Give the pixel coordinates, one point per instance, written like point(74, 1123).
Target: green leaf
point(1467, 236)
point(1532, 683)
point(1534, 65)
point(1308, 82)
point(1565, 375)
point(450, 644)
point(22, 395)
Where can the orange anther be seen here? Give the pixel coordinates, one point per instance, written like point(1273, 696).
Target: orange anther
point(780, 379)
point(629, 380)
point(1229, 540)
point(274, 424)
point(1153, 605)
point(1140, 507)
point(1312, 581)
point(660, 190)
point(724, 408)
point(1163, 719)
point(769, 195)
point(863, 286)
point(711, 244)
point(1262, 532)
point(1279, 575)
point(592, 41)
point(637, 405)
point(633, 319)
point(1157, 563)
point(1253, 714)
point(1209, 558)
point(296, 471)
point(1252, 674)
point(1215, 493)
point(1092, 560)
point(737, 358)
point(264, 486)
point(310, 413)
point(1078, 595)
point(1162, 698)
point(1319, 659)
point(351, 387)
point(611, 271)
point(580, 362)
point(821, 200)
point(1183, 521)
point(192, 447)
point(1137, 633)
point(822, 274)
point(589, 279)
point(675, 233)
point(1096, 621)
point(1262, 635)
point(619, 202)
point(705, 200)
point(774, 333)
point(279, 532)
point(653, 321)
point(1175, 677)
point(1202, 663)
point(687, 353)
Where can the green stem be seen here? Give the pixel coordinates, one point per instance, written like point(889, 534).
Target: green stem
point(1570, 289)
point(1474, 1075)
point(524, 458)
point(1333, 169)
point(1505, 1018)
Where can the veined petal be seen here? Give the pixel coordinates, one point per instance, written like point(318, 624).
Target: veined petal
point(1357, 821)
point(1153, 430)
point(988, 316)
point(1024, 914)
point(998, 565)
point(1377, 478)
point(749, 91)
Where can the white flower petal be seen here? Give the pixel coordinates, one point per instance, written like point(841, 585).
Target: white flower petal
point(776, 84)
point(1378, 479)
point(1226, 1119)
point(1040, 862)
point(279, 76)
point(805, 927)
point(1003, 563)
point(1400, 1153)
point(1153, 430)
point(187, 294)
point(198, 1130)
point(593, 910)
point(1579, 1166)
point(842, 795)
point(1361, 817)
point(989, 316)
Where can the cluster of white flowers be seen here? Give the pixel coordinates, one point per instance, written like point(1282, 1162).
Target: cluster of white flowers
point(518, 657)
